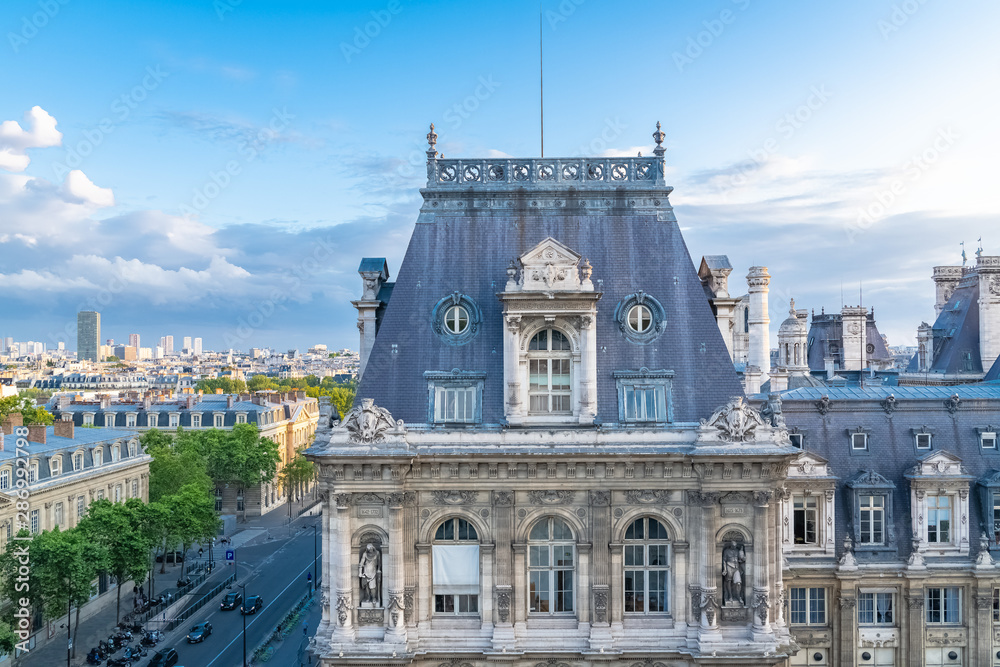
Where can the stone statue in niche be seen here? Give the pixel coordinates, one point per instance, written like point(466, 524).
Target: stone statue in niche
point(734, 559)
point(370, 576)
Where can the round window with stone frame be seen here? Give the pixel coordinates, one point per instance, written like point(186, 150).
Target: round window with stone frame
point(640, 318)
point(456, 319)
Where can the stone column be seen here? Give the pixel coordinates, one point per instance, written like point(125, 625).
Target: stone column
point(410, 564)
point(761, 603)
point(710, 600)
point(600, 627)
point(912, 634)
point(515, 396)
point(759, 353)
point(520, 550)
point(342, 569)
point(326, 554)
point(774, 539)
point(848, 603)
point(588, 368)
point(503, 631)
point(395, 605)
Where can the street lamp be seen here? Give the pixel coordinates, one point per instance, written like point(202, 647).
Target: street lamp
point(243, 613)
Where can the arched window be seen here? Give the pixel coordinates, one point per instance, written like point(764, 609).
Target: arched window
point(133, 449)
point(55, 466)
point(77, 461)
point(116, 453)
point(550, 567)
point(647, 567)
point(549, 361)
point(455, 556)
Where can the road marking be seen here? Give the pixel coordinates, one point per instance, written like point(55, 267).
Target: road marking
point(295, 580)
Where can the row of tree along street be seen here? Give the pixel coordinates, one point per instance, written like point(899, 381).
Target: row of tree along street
point(121, 539)
point(341, 393)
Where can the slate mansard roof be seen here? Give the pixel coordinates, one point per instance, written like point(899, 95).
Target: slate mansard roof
point(892, 448)
point(471, 226)
point(956, 332)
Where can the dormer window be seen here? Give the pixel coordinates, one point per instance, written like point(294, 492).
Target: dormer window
point(456, 319)
point(796, 440)
point(55, 466)
point(195, 421)
point(640, 319)
point(98, 456)
point(859, 441)
point(988, 439)
point(939, 495)
point(549, 362)
point(923, 440)
point(644, 395)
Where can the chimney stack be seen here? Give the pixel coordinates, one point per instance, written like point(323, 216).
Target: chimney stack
point(63, 428)
point(230, 400)
point(36, 433)
point(759, 353)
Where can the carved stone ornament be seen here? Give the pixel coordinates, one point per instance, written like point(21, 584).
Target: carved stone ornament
point(396, 608)
point(503, 498)
point(951, 404)
point(552, 663)
point(889, 404)
point(735, 421)
point(600, 604)
point(408, 595)
point(371, 616)
point(760, 605)
point(600, 498)
point(984, 602)
point(647, 663)
point(454, 497)
point(914, 601)
point(550, 497)
point(823, 405)
point(848, 603)
point(995, 285)
point(646, 496)
point(343, 608)
point(368, 424)
point(342, 499)
point(703, 498)
point(503, 603)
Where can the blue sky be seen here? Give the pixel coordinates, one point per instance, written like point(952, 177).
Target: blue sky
point(217, 168)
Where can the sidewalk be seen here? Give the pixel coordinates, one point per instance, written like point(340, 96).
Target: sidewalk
point(293, 650)
point(259, 530)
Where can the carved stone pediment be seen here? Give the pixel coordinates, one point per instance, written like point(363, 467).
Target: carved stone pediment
point(808, 464)
point(734, 422)
point(551, 266)
point(646, 496)
point(940, 464)
point(368, 423)
point(870, 479)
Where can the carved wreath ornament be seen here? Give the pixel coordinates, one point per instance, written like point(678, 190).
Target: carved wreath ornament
point(369, 423)
point(735, 421)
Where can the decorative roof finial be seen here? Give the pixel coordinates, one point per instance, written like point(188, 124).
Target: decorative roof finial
point(658, 137)
point(791, 307)
point(432, 138)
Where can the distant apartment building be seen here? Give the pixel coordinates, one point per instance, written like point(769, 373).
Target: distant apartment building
point(187, 344)
point(133, 340)
point(197, 349)
point(289, 419)
point(88, 335)
point(167, 343)
point(126, 352)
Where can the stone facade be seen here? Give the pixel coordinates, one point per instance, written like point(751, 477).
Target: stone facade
point(550, 461)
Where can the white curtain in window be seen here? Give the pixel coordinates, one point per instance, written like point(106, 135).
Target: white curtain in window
point(456, 569)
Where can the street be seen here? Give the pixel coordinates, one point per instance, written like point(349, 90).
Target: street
point(279, 578)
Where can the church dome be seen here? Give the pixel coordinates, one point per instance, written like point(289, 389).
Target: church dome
point(793, 326)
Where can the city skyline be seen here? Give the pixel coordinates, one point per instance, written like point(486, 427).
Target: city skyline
point(143, 181)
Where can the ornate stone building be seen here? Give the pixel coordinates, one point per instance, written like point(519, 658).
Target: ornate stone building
point(550, 461)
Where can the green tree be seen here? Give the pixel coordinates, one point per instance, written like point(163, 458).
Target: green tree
point(242, 457)
point(193, 517)
point(115, 527)
point(174, 465)
point(260, 382)
point(294, 475)
point(31, 413)
point(228, 385)
point(342, 399)
point(112, 359)
point(8, 640)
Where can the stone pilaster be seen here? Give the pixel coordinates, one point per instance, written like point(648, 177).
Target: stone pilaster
point(848, 608)
point(600, 622)
point(503, 510)
point(395, 604)
point(342, 568)
point(761, 604)
point(588, 367)
point(410, 574)
point(913, 633)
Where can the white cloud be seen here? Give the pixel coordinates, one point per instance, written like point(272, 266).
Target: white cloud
point(15, 140)
point(80, 188)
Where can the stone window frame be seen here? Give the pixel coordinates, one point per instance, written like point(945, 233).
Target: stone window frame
point(109, 419)
point(645, 568)
point(196, 416)
point(940, 473)
point(827, 616)
point(809, 475)
point(133, 449)
point(9, 470)
point(656, 310)
point(173, 419)
point(441, 308)
point(988, 492)
point(875, 591)
point(455, 379)
point(97, 456)
point(871, 483)
point(927, 606)
point(923, 431)
point(993, 434)
point(478, 541)
point(55, 465)
point(573, 541)
point(661, 379)
point(131, 419)
point(796, 431)
point(241, 417)
point(152, 419)
point(116, 452)
point(860, 430)
point(218, 420)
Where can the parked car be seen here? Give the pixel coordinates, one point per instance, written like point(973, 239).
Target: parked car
point(252, 604)
point(199, 632)
point(165, 658)
point(231, 601)
point(172, 557)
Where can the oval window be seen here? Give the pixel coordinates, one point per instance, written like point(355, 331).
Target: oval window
point(456, 319)
point(640, 319)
